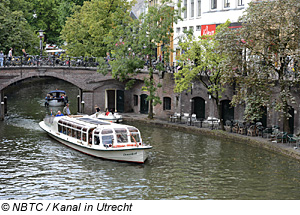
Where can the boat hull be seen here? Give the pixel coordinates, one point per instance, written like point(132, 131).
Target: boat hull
point(56, 103)
point(133, 154)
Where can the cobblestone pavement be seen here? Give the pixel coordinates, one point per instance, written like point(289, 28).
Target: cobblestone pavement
point(267, 144)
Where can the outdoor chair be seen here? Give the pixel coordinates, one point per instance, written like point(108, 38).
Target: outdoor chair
point(228, 125)
point(235, 127)
point(251, 131)
point(178, 117)
point(242, 128)
point(173, 117)
point(268, 132)
point(259, 129)
point(185, 118)
point(200, 121)
point(293, 139)
point(192, 119)
point(282, 136)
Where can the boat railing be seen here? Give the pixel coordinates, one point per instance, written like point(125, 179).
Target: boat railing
point(49, 119)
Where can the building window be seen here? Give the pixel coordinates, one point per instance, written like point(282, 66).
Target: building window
point(179, 9)
point(192, 8)
point(240, 3)
point(198, 27)
point(213, 4)
point(199, 8)
point(185, 9)
point(167, 103)
point(191, 28)
point(178, 30)
point(226, 3)
point(184, 29)
point(135, 100)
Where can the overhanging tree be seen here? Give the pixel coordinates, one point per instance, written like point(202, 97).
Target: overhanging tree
point(264, 56)
point(134, 43)
point(15, 31)
point(203, 61)
point(85, 31)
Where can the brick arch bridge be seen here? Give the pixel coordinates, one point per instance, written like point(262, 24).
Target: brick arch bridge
point(94, 87)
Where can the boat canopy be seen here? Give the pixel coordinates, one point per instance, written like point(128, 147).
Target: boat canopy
point(57, 91)
point(73, 124)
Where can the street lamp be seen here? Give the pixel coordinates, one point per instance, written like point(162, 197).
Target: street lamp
point(41, 35)
point(191, 101)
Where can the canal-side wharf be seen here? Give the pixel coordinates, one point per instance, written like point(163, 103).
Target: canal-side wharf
point(287, 149)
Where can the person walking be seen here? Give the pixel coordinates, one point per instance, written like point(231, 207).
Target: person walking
point(10, 54)
point(1, 58)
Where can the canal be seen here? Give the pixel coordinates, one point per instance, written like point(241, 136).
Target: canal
point(180, 165)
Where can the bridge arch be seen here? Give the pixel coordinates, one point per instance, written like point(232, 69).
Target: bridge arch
point(92, 84)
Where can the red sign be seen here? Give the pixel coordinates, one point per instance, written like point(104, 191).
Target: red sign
point(208, 29)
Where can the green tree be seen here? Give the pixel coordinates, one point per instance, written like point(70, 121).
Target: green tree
point(86, 29)
point(133, 44)
point(264, 54)
point(48, 15)
point(15, 31)
point(203, 61)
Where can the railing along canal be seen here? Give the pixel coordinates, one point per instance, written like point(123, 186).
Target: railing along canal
point(53, 61)
point(36, 61)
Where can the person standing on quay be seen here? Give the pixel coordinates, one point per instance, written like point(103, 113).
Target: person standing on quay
point(66, 110)
point(1, 58)
point(10, 54)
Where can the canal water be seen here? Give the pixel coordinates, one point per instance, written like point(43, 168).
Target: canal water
point(180, 166)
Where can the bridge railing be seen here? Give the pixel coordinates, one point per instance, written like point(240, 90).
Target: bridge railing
point(67, 61)
point(53, 61)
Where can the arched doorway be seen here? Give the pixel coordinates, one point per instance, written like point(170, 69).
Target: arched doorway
point(115, 100)
point(144, 105)
point(227, 110)
point(120, 101)
point(264, 116)
point(199, 107)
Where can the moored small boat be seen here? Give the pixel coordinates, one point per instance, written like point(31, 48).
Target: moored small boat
point(111, 117)
point(97, 138)
point(56, 98)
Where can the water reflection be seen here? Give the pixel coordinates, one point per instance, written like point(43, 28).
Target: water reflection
point(180, 166)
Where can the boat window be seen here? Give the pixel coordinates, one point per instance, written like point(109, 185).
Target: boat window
point(84, 137)
point(74, 133)
point(135, 137)
point(107, 139)
point(133, 129)
point(69, 132)
point(96, 140)
point(121, 134)
point(122, 137)
point(59, 128)
point(120, 130)
point(91, 135)
point(106, 131)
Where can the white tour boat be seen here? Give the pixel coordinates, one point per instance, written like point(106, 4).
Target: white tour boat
point(56, 98)
point(97, 137)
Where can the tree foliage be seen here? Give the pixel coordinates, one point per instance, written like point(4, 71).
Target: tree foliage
point(264, 53)
point(15, 31)
point(87, 28)
point(203, 61)
point(134, 44)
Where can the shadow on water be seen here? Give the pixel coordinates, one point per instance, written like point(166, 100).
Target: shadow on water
point(180, 165)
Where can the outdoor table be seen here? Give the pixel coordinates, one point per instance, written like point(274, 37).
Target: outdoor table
point(212, 122)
